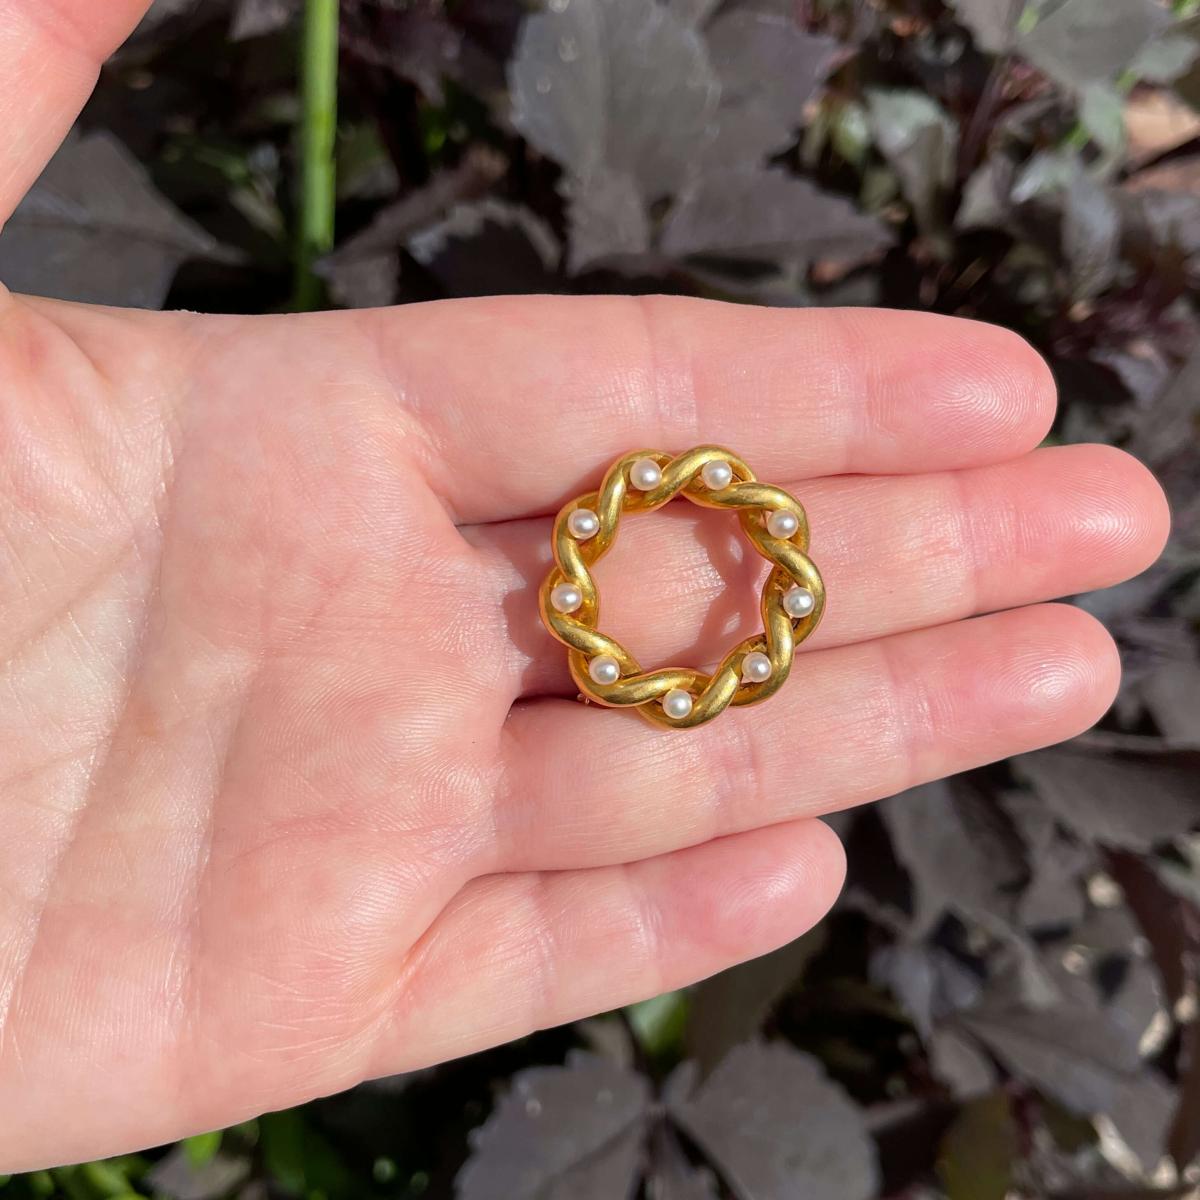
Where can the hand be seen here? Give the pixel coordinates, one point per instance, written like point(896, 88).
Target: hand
point(295, 791)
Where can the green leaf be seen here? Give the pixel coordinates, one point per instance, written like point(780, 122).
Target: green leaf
point(202, 1148)
point(979, 1150)
point(660, 1022)
point(301, 1161)
point(106, 1178)
point(850, 132)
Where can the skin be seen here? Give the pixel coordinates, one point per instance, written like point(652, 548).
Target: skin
point(294, 791)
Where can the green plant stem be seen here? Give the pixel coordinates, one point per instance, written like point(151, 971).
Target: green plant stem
point(318, 124)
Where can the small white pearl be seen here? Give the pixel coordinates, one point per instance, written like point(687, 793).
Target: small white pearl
point(756, 667)
point(782, 524)
point(583, 524)
point(677, 704)
point(645, 474)
point(717, 475)
point(798, 602)
point(566, 597)
point(604, 669)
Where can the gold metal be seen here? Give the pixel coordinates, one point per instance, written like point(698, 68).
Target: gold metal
point(644, 690)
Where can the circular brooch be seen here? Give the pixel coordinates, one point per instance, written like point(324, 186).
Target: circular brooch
point(793, 596)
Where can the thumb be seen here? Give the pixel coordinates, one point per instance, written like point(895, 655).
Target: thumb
point(50, 55)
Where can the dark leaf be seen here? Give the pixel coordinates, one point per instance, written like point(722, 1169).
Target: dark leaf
point(1170, 924)
point(256, 18)
point(1172, 694)
point(178, 1177)
point(959, 1062)
point(621, 84)
point(1131, 799)
point(427, 43)
point(1091, 237)
point(693, 12)
point(993, 23)
point(1184, 1191)
point(1162, 225)
point(562, 1133)
point(906, 1133)
point(1165, 59)
point(1184, 1140)
point(94, 229)
point(1054, 896)
point(980, 1149)
point(766, 214)
point(1174, 418)
point(985, 201)
point(1079, 1054)
point(920, 141)
point(1078, 42)
point(960, 848)
point(767, 64)
point(671, 1176)
point(609, 1037)
point(1142, 369)
point(362, 272)
point(608, 220)
point(1102, 114)
point(740, 136)
point(1188, 84)
point(730, 1008)
point(488, 248)
point(778, 1128)
point(1047, 173)
point(166, 10)
point(929, 983)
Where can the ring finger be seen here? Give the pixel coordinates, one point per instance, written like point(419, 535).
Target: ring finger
point(896, 552)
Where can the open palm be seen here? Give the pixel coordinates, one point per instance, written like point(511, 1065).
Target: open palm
point(294, 787)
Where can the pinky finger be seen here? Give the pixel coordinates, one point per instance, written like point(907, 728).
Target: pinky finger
point(515, 953)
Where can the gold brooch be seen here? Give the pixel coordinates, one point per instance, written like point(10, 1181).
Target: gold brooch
point(793, 596)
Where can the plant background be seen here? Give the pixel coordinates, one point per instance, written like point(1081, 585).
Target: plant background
point(1005, 1001)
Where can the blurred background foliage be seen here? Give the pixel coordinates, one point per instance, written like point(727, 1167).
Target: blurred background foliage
point(1005, 1002)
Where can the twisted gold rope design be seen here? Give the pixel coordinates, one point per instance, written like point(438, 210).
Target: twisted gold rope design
point(711, 694)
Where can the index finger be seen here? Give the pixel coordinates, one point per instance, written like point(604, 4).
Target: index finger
point(522, 402)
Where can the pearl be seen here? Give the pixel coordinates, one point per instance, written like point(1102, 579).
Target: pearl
point(604, 669)
point(645, 474)
point(677, 704)
point(566, 597)
point(756, 667)
point(782, 524)
point(717, 475)
point(798, 602)
point(583, 524)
